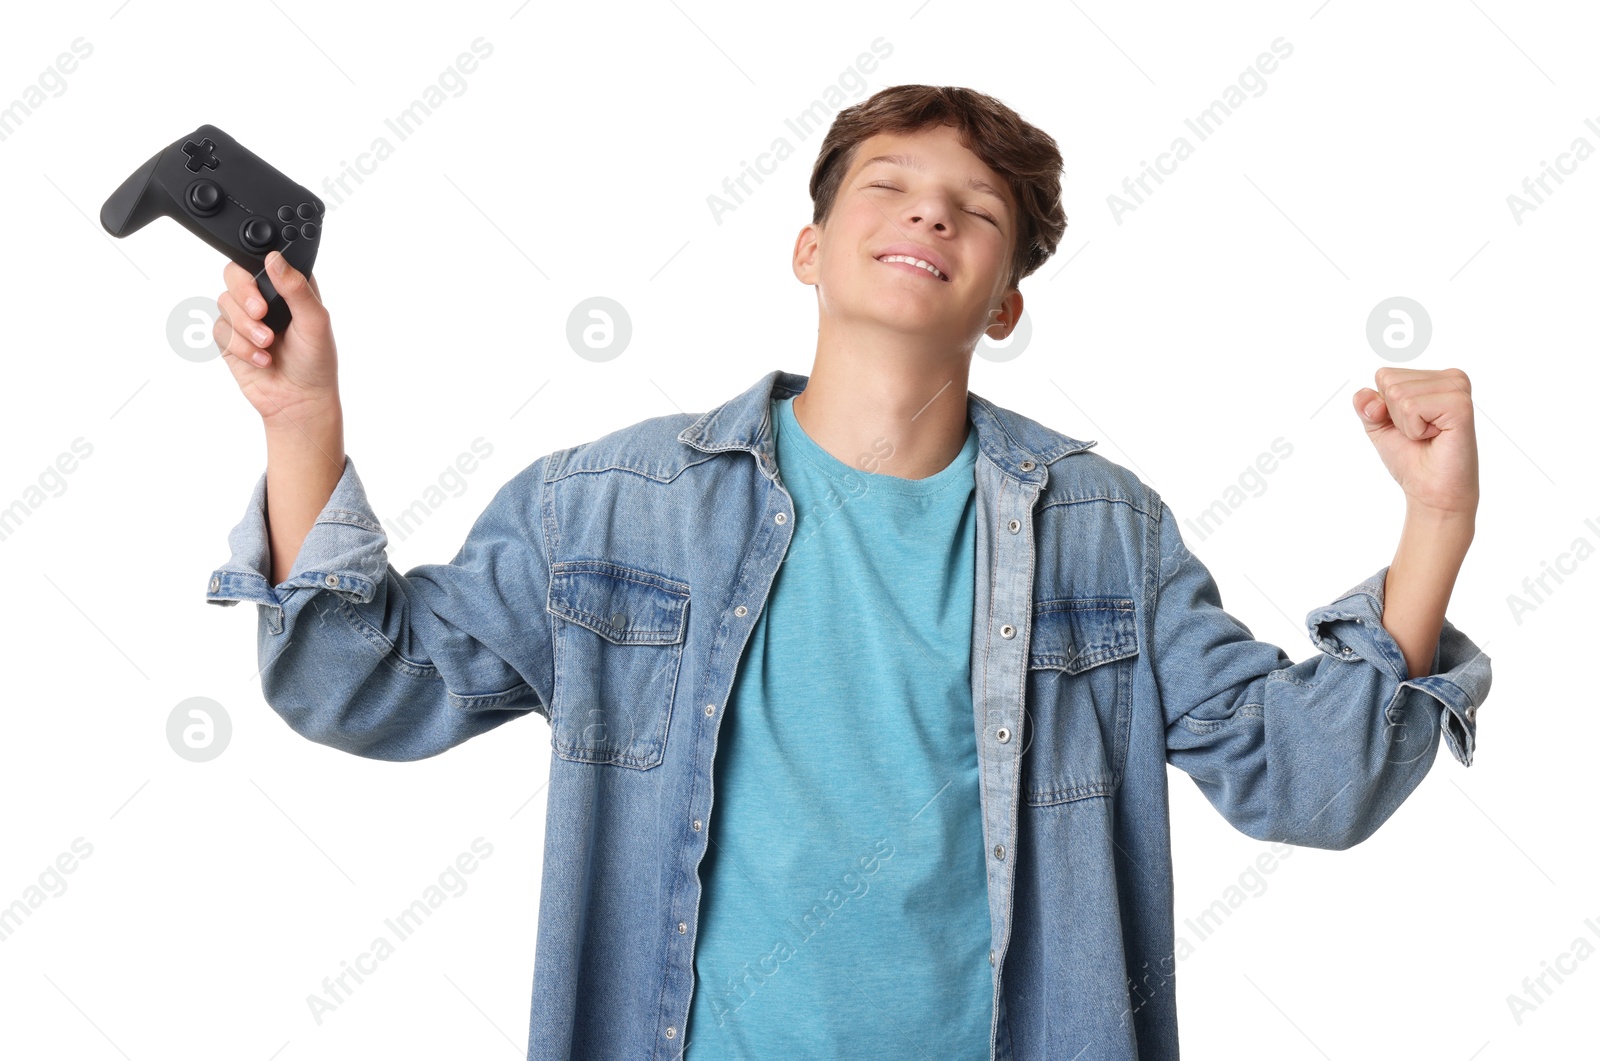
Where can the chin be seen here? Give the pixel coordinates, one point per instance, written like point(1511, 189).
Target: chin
point(914, 321)
point(891, 306)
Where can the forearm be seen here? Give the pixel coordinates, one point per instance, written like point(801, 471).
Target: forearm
point(1420, 578)
point(305, 458)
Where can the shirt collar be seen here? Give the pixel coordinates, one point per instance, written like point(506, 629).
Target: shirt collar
point(1018, 445)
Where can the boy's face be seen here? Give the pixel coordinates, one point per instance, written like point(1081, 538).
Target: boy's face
point(923, 198)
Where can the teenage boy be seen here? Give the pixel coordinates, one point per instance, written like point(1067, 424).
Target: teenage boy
point(926, 657)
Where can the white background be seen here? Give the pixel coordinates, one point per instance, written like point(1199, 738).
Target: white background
point(1226, 310)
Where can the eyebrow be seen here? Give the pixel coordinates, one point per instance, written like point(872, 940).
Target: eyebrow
point(913, 162)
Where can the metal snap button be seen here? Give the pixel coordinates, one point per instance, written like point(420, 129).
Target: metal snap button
point(331, 581)
point(696, 825)
point(1002, 735)
point(216, 584)
point(740, 611)
point(711, 709)
point(682, 928)
point(1008, 631)
point(782, 517)
point(1014, 526)
point(1027, 466)
point(999, 850)
point(671, 1031)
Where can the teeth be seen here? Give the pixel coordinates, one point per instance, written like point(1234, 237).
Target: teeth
point(914, 261)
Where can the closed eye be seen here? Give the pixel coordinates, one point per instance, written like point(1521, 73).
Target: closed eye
point(980, 213)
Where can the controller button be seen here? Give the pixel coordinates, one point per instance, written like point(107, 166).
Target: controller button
point(256, 232)
point(290, 233)
point(307, 212)
point(285, 213)
point(309, 230)
point(201, 154)
point(205, 198)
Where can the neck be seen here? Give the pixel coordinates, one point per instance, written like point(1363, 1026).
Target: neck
point(896, 409)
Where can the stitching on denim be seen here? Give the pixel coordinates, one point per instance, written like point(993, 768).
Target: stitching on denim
point(1205, 726)
point(480, 701)
point(565, 472)
point(1124, 628)
point(1282, 674)
point(1442, 680)
point(575, 751)
point(1049, 797)
point(570, 567)
point(390, 655)
point(678, 603)
point(1130, 502)
point(349, 517)
point(579, 754)
point(1089, 661)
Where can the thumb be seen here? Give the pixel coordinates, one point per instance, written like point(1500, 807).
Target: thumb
point(295, 287)
point(1370, 406)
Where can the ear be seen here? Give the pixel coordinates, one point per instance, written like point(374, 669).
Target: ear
point(1003, 316)
point(806, 267)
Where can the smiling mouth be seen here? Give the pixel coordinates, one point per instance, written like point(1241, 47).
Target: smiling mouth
point(915, 263)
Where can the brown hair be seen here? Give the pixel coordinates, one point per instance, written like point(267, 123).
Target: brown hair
point(1023, 154)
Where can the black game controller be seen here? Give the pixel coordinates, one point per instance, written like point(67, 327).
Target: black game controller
point(228, 196)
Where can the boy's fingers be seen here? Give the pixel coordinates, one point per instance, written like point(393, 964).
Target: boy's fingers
point(231, 271)
point(291, 283)
point(298, 292)
point(242, 286)
point(230, 340)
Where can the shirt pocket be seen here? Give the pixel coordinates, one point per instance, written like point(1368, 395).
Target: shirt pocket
point(619, 636)
point(1081, 656)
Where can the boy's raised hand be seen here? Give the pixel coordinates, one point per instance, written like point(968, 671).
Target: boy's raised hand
point(282, 376)
point(1421, 421)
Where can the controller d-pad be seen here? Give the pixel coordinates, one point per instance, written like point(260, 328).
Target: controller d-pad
point(201, 154)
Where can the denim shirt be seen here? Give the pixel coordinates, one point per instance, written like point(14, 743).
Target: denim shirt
point(611, 587)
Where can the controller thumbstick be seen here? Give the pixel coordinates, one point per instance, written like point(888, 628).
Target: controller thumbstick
point(256, 232)
point(205, 198)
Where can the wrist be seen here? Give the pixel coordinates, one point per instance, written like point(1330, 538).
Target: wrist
point(306, 443)
point(318, 413)
point(1437, 520)
point(1434, 542)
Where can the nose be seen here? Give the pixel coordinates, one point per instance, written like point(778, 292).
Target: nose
point(931, 207)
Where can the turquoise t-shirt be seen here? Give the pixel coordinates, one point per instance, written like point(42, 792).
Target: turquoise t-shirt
point(845, 912)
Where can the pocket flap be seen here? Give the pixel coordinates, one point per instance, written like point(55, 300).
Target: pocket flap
point(1082, 632)
point(624, 605)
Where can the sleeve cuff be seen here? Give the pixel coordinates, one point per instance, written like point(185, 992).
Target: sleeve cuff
point(344, 552)
point(1351, 629)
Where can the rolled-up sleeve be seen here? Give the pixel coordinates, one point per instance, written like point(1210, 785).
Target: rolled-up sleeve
point(1318, 753)
point(360, 657)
